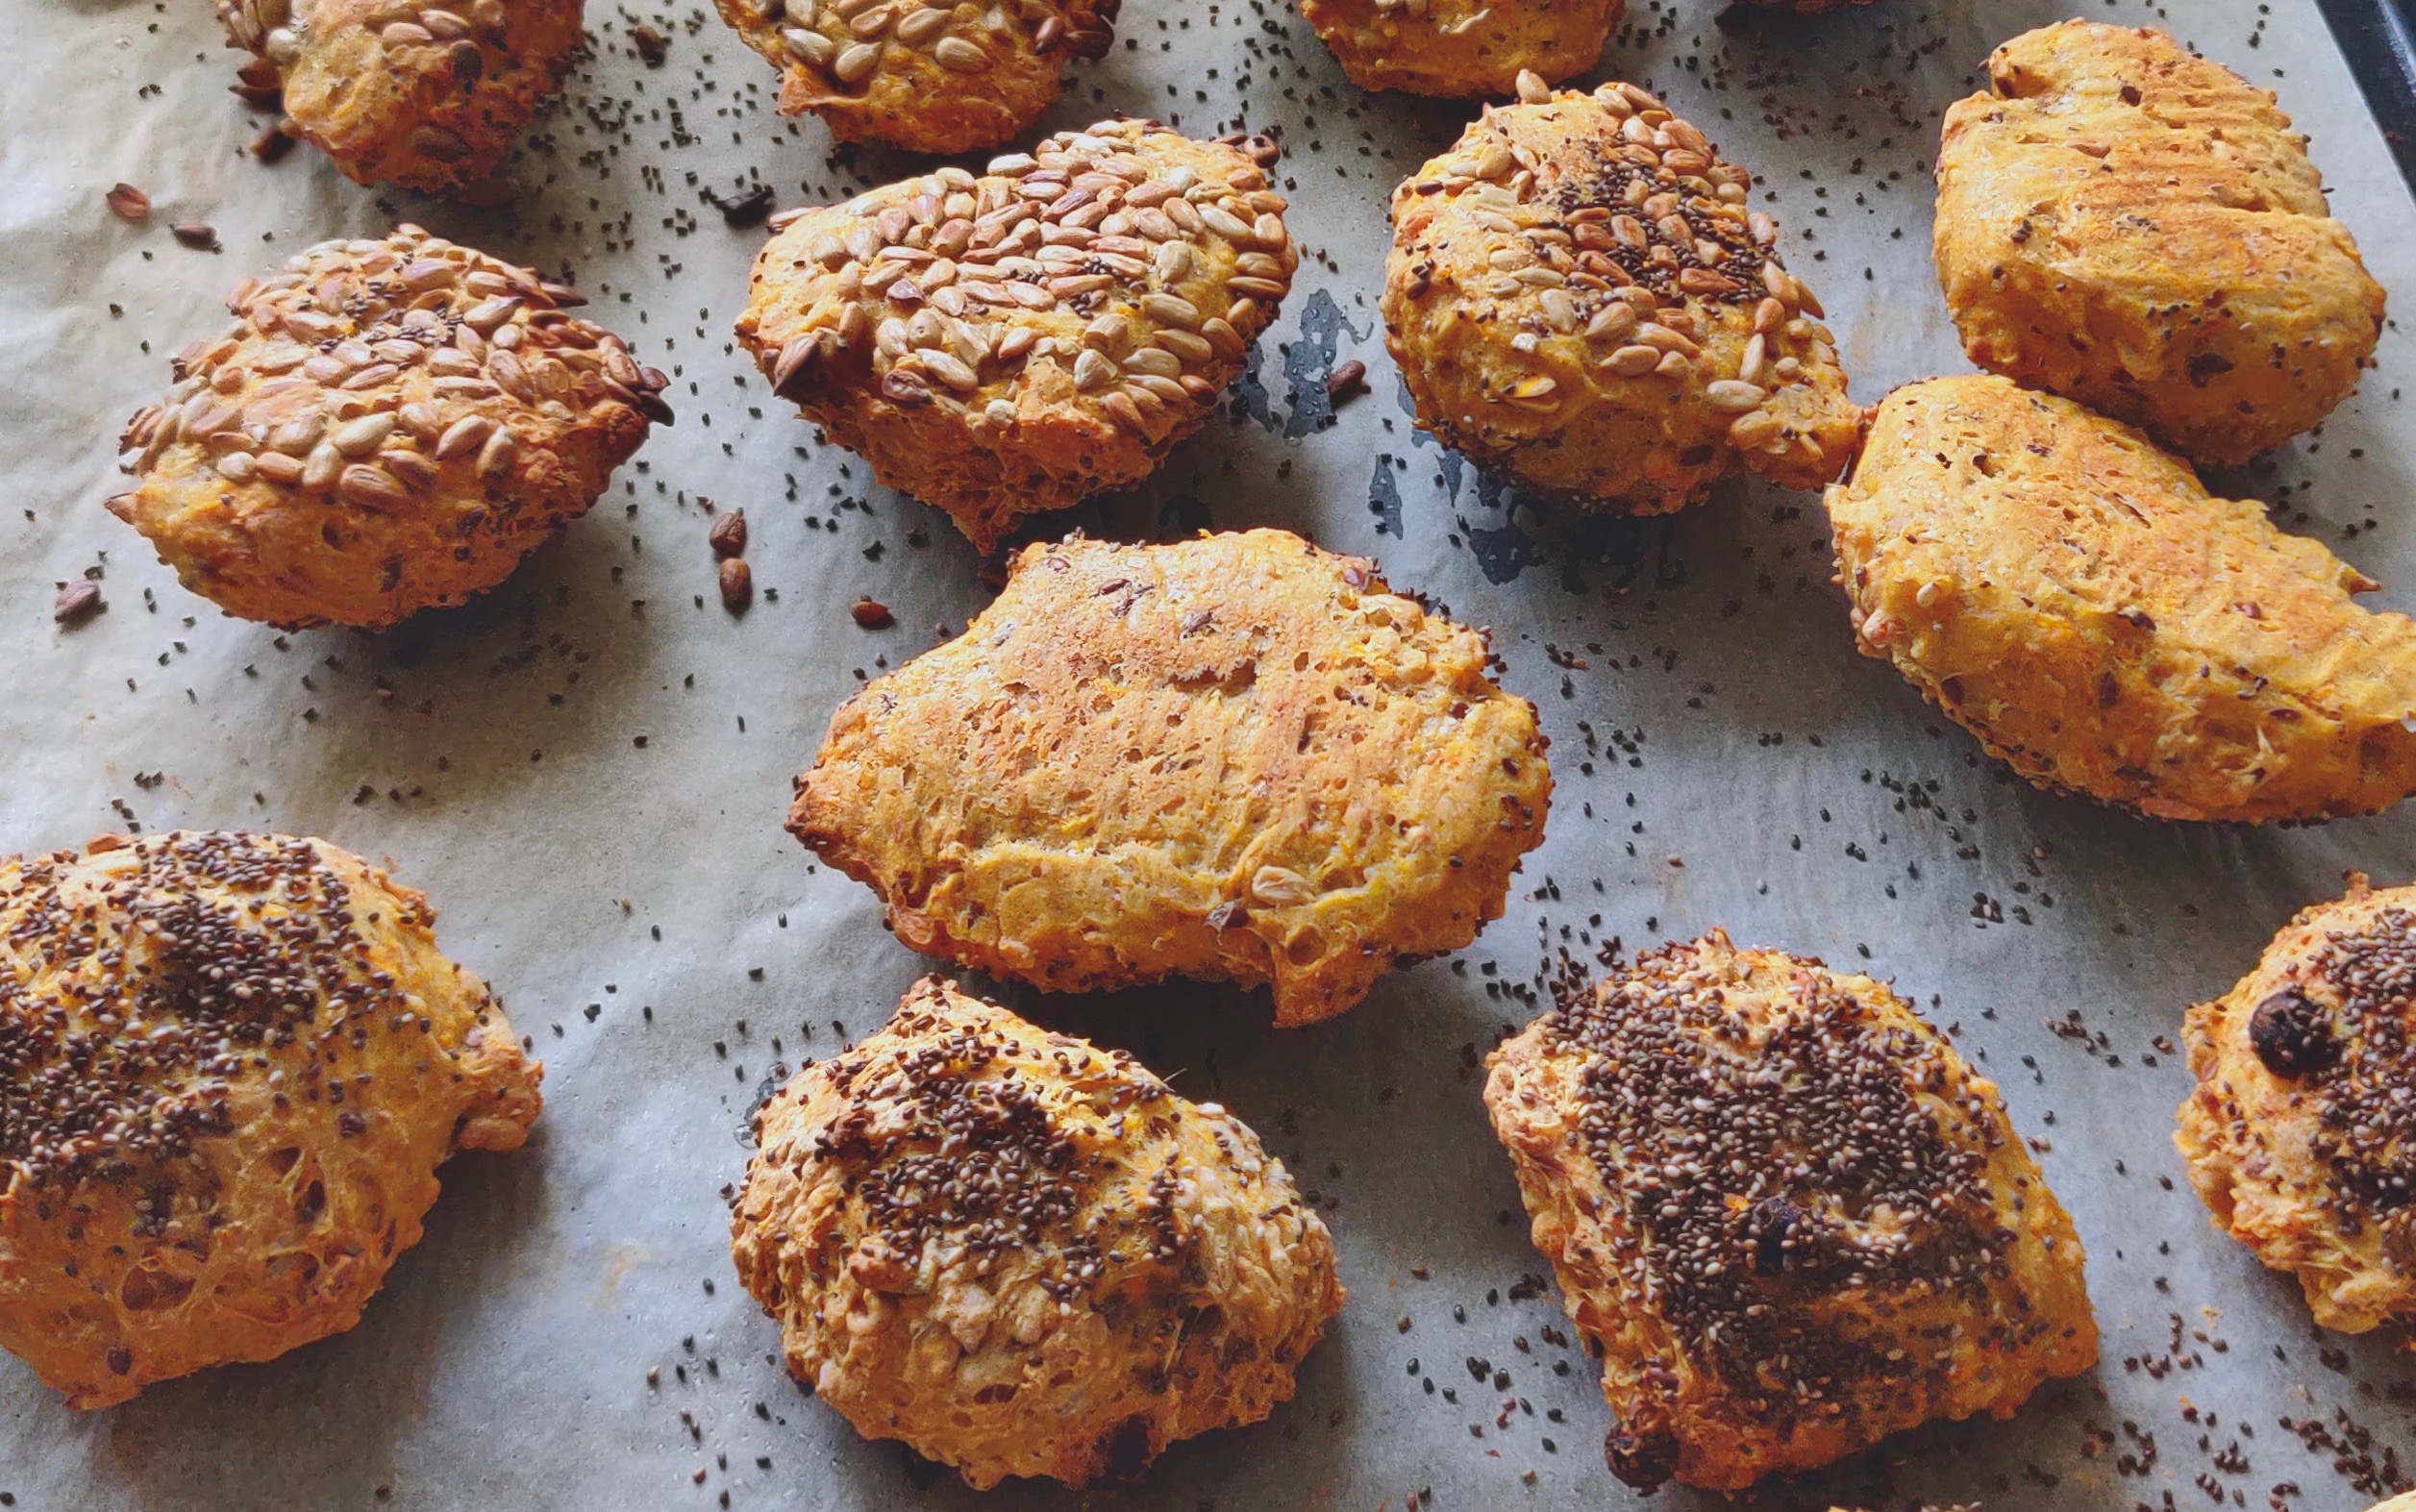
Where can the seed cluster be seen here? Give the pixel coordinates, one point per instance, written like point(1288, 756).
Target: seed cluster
point(848, 41)
point(2365, 1105)
point(1628, 234)
point(362, 368)
point(132, 999)
point(962, 1137)
point(1106, 251)
point(1769, 1159)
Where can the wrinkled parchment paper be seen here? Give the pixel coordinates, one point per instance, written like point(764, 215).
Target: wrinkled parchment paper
point(587, 771)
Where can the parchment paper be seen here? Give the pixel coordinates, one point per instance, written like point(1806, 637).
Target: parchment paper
point(587, 771)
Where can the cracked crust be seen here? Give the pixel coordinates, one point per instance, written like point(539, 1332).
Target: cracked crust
point(424, 95)
point(1784, 1214)
point(1235, 757)
point(1021, 1254)
point(1578, 295)
point(2075, 598)
point(1460, 49)
point(2140, 230)
point(230, 1066)
point(2299, 1137)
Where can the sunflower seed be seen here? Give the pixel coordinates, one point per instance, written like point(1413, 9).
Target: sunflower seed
point(955, 52)
point(356, 439)
point(951, 372)
point(1757, 352)
point(498, 453)
point(1226, 224)
point(1192, 350)
point(1124, 411)
point(1752, 431)
point(369, 487)
point(1171, 309)
point(486, 315)
point(1733, 396)
point(320, 467)
point(510, 376)
point(855, 64)
point(1092, 372)
point(923, 25)
point(463, 437)
point(1633, 361)
point(80, 600)
point(278, 468)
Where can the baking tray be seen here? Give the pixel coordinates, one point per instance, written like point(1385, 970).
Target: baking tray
point(587, 771)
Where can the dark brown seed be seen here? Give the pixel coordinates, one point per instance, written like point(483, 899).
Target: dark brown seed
point(271, 144)
point(2292, 1034)
point(196, 233)
point(751, 208)
point(128, 202)
point(488, 193)
point(737, 585)
point(1645, 1461)
point(652, 45)
point(1351, 378)
point(872, 614)
point(78, 601)
point(729, 535)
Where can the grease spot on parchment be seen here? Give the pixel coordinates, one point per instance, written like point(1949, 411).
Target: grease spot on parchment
point(1308, 360)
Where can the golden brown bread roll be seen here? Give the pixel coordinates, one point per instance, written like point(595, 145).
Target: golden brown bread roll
point(938, 76)
point(423, 94)
point(2140, 230)
point(1462, 48)
point(1013, 343)
point(1021, 1254)
point(388, 426)
point(1785, 1215)
point(229, 1065)
point(1235, 757)
point(2301, 1133)
point(2075, 598)
point(1578, 296)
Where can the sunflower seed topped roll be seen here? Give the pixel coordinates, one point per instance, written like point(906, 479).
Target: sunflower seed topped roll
point(388, 426)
